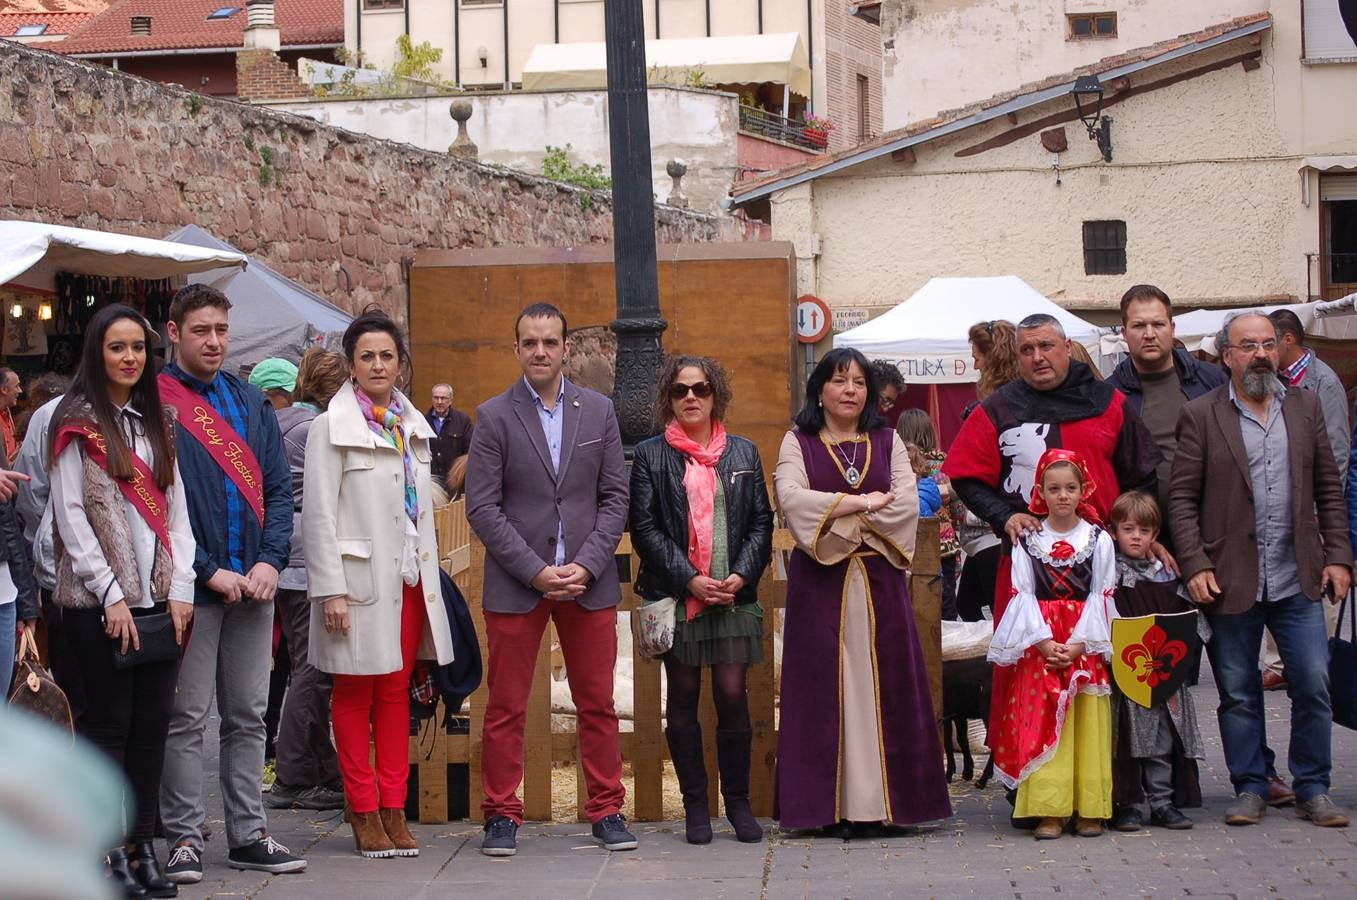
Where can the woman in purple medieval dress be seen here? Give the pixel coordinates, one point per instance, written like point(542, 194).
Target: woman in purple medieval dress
point(858, 739)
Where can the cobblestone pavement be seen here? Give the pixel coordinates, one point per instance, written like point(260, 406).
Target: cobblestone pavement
point(974, 854)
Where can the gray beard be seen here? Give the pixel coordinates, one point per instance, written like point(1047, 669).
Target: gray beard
point(1261, 385)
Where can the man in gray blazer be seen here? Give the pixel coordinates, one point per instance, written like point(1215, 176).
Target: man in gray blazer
point(546, 493)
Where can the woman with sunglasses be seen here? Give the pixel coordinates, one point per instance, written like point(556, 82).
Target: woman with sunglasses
point(703, 529)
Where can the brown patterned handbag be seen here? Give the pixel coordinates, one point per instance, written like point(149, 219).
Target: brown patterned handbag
point(33, 688)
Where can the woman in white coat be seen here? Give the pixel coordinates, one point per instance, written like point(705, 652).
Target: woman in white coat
point(372, 576)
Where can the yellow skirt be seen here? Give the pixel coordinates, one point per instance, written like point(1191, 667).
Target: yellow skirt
point(1079, 776)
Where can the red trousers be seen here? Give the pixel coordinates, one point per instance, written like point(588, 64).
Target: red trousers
point(589, 644)
point(376, 709)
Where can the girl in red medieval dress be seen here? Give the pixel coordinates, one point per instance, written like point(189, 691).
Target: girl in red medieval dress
point(1053, 741)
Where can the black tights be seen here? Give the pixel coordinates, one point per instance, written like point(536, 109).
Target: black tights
point(728, 690)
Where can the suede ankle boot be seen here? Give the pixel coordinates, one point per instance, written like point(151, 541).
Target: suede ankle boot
point(398, 830)
point(685, 747)
point(369, 837)
point(732, 753)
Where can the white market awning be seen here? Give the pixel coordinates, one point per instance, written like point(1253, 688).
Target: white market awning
point(926, 335)
point(58, 248)
point(1330, 163)
point(750, 59)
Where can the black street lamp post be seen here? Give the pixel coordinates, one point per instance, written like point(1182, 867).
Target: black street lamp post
point(638, 325)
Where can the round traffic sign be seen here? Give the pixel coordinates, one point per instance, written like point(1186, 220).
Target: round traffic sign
point(813, 319)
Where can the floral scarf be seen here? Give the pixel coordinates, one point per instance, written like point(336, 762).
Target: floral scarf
point(385, 422)
point(699, 481)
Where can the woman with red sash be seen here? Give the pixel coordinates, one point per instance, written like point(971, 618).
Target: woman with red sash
point(124, 551)
point(858, 743)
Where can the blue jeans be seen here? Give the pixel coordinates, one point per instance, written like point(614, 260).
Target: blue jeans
point(8, 623)
point(1297, 624)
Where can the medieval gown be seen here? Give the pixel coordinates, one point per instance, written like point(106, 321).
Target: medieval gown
point(858, 738)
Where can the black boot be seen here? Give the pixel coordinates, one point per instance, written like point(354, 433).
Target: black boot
point(121, 873)
point(685, 747)
point(147, 869)
point(732, 753)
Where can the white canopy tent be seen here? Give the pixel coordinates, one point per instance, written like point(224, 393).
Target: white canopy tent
point(1333, 319)
point(26, 245)
point(270, 315)
point(925, 335)
point(746, 59)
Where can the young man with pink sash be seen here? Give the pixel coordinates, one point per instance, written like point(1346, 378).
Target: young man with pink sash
point(239, 491)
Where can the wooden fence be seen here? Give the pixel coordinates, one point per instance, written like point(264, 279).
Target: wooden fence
point(463, 557)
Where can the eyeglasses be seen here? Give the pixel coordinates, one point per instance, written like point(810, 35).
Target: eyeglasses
point(1253, 346)
point(678, 390)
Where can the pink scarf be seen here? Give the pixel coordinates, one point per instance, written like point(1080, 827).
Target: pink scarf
point(699, 481)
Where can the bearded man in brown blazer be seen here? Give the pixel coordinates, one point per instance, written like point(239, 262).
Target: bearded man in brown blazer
point(1259, 519)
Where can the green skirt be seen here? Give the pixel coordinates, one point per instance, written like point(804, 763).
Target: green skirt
point(720, 634)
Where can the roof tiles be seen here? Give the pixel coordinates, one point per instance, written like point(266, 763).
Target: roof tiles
point(184, 25)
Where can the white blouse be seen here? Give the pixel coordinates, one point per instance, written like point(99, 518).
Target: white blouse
point(1023, 626)
point(87, 557)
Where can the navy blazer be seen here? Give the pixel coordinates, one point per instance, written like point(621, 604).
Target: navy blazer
point(515, 502)
point(207, 499)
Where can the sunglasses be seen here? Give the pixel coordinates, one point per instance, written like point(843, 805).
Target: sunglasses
point(678, 390)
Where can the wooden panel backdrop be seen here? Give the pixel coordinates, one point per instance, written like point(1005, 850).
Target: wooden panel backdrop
point(730, 301)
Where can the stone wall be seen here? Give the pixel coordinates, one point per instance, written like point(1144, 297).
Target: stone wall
point(341, 213)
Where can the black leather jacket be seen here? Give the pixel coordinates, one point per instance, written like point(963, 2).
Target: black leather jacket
point(659, 518)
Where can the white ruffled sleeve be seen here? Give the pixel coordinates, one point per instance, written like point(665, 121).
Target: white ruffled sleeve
point(1094, 628)
point(1022, 625)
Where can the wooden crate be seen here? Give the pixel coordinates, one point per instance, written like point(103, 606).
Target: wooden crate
point(644, 747)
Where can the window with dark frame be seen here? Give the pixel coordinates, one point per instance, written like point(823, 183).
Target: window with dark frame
point(1082, 26)
point(1105, 247)
point(466, 3)
point(864, 108)
point(30, 30)
point(224, 12)
point(383, 4)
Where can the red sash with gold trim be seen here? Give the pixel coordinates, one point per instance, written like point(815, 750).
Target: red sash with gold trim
point(211, 429)
point(140, 490)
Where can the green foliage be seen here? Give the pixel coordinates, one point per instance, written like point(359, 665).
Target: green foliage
point(414, 63)
point(267, 155)
point(557, 166)
point(266, 175)
point(249, 142)
point(194, 104)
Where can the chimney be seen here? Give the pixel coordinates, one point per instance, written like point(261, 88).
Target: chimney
point(141, 24)
point(261, 28)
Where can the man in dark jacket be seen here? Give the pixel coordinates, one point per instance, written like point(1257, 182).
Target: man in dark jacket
point(239, 492)
point(452, 433)
point(1156, 378)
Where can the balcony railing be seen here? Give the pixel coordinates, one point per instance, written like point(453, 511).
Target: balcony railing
point(771, 125)
point(1330, 276)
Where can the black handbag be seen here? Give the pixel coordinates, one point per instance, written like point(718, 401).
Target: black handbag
point(1343, 669)
point(155, 632)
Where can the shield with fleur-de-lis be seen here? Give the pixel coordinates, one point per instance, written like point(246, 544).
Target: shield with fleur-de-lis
point(1152, 655)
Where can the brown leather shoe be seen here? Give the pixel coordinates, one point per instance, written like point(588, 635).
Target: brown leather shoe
point(1322, 811)
point(369, 837)
point(1088, 827)
point(1049, 829)
point(393, 822)
point(1278, 793)
point(1273, 681)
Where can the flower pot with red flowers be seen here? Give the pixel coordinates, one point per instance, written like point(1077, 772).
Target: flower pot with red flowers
point(817, 129)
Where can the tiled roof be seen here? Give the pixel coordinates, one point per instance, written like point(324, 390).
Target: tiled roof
point(184, 25)
point(52, 6)
point(57, 23)
point(880, 145)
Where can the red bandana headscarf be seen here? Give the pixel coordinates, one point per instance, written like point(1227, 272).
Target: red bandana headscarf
point(1085, 509)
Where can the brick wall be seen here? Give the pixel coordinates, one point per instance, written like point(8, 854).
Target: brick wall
point(87, 146)
point(262, 75)
point(852, 48)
